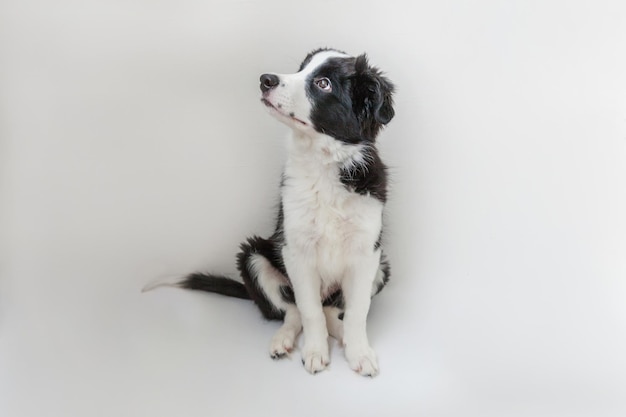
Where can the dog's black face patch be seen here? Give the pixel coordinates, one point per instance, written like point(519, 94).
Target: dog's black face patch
point(332, 112)
point(358, 103)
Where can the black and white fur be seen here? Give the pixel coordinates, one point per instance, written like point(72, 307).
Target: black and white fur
point(319, 269)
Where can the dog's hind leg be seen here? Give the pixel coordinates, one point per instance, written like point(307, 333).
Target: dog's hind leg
point(258, 264)
point(284, 339)
point(334, 322)
point(269, 287)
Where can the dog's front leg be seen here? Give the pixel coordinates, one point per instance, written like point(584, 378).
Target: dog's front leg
point(306, 284)
point(357, 289)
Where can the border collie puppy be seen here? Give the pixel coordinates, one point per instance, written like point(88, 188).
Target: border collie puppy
point(319, 269)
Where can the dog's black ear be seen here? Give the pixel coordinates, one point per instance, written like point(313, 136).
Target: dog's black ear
point(385, 111)
point(372, 96)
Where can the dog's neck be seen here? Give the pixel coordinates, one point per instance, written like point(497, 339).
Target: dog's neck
point(320, 149)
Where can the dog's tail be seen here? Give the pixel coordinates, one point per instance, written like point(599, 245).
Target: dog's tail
point(204, 282)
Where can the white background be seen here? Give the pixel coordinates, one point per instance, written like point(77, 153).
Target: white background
point(133, 146)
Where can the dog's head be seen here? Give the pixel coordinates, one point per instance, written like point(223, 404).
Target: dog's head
point(332, 93)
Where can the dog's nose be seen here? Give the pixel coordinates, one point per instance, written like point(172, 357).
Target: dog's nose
point(269, 81)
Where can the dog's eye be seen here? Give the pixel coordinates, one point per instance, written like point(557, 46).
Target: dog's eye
point(324, 84)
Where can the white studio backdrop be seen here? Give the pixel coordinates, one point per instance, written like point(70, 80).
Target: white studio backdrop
point(133, 145)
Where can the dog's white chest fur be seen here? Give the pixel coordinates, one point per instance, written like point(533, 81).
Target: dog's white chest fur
point(324, 222)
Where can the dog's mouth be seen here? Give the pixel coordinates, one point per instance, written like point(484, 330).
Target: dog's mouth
point(282, 113)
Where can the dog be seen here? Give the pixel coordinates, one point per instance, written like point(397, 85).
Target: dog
point(324, 262)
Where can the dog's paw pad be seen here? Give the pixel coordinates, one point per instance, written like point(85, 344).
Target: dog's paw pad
point(363, 361)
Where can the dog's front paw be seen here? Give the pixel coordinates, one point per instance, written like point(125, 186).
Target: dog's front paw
point(315, 358)
point(362, 360)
